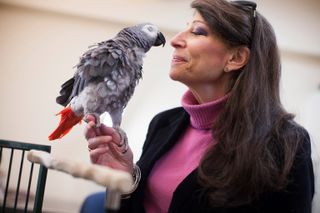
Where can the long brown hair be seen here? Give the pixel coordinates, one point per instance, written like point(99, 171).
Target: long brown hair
point(257, 138)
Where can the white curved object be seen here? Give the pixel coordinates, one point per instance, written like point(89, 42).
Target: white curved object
point(115, 180)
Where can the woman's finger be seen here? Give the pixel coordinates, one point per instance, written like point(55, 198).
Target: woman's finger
point(107, 141)
point(88, 118)
point(116, 151)
point(89, 131)
point(116, 136)
point(97, 153)
point(99, 141)
point(105, 130)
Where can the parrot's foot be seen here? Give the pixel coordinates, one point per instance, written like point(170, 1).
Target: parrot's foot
point(123, 139)
point(96, 118)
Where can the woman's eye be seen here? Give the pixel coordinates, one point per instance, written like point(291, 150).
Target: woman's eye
point(199, 31)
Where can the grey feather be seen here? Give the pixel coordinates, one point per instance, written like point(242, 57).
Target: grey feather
point(108, 72)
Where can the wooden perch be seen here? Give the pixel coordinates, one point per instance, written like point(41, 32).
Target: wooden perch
point(112, 179)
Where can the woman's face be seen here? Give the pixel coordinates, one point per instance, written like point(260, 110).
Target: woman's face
point(199, 59)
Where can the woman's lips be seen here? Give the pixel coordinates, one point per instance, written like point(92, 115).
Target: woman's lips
point(178, 59)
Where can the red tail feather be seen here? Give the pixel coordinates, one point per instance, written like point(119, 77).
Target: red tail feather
point(67, 121)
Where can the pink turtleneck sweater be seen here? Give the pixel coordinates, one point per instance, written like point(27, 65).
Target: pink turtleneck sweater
point(170, 170)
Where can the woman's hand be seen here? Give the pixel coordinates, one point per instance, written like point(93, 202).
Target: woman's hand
point(105, 148)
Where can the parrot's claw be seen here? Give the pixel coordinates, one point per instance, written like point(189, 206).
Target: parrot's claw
point(96, 118)
point(98, 124)
point(123, 139)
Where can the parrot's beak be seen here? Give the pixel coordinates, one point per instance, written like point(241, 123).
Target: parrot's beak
point(160, 40)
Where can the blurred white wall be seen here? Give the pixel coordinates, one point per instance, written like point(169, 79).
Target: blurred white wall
point(41, 41)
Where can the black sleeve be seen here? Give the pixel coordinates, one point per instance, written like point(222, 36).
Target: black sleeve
point(297, 196)
point(301, 185)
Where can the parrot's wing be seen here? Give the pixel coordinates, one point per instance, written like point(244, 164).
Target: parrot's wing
point(95, 65)
point(65, 92)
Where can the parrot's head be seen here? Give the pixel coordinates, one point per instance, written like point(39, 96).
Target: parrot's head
point(146, 35)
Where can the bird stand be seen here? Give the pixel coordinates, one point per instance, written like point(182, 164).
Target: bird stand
point(116, 182)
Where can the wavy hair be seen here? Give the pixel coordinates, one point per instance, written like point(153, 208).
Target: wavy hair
point(257, 138)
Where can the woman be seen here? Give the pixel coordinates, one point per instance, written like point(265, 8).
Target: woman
point(231, 147)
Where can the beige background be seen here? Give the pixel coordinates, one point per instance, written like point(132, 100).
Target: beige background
point(41, 41)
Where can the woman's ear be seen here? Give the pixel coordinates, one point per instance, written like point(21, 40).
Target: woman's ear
point(239, 57)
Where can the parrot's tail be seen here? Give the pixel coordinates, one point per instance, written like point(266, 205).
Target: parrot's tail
point(67, 121)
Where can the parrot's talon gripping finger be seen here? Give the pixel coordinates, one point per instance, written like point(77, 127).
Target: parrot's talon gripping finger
point(123, 139)
point(96, 119)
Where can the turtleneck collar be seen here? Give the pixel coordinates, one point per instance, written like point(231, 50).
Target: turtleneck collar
point(202, 116)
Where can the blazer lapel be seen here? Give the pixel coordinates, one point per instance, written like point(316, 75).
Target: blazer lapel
point(163, 135)
point(163, 139)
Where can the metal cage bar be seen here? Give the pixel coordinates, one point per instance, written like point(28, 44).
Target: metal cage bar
point(16, 148)
point(19, 181)
point(7, 182)
point(29, 186)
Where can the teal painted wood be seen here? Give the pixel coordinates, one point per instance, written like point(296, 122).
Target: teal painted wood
point(23, 145)
point(42, 174)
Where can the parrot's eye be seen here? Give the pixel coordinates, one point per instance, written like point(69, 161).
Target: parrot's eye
point(150, 28)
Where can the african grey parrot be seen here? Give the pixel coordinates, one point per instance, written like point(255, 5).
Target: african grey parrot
point(105, 77)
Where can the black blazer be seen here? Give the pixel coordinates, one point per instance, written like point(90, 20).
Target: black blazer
point(165, 130)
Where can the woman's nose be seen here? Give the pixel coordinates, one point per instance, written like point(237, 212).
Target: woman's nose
point(178, 40)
